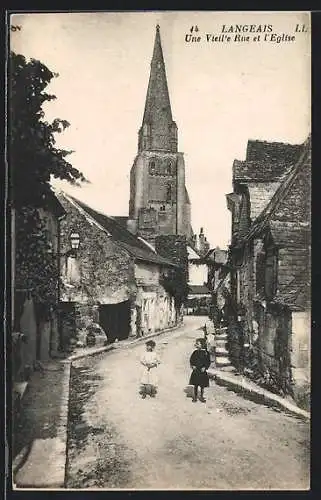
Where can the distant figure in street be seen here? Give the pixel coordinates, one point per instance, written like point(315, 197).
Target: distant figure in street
point(211, 346)
point(149, 379)
point(200, 361)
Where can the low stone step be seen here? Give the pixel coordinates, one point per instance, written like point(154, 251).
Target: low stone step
point(221, 351)
point(221, 337)
point(228, 369)
point(220, 342)
point(222, 361)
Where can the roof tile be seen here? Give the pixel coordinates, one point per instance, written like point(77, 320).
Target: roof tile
point(135, 246)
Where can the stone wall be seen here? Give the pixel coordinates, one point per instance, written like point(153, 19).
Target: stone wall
point(146, 274)
point(105, 271)
point(158, 311)
point(247, 285)
point(293, 262)
point(161, 188)
point(157, 307)
point(300, 357)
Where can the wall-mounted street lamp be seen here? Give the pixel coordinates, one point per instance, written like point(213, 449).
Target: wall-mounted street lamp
point(74, 240)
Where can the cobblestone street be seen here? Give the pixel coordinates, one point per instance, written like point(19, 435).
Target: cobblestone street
point(118, 440)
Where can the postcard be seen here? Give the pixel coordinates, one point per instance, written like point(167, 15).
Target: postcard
point(159, 190)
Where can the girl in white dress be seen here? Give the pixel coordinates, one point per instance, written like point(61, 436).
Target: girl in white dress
point(149, 378)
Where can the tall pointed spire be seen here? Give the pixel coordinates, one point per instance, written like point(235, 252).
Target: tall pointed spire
point(158, 130)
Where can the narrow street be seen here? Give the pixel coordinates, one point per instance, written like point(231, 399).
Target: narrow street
point(118, 440)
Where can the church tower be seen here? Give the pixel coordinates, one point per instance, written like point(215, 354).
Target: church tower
point(159, 202)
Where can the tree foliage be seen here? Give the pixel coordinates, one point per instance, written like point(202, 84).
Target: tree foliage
point(33, 155)
point(36, 264)
point(33, 159)
point(174, 282)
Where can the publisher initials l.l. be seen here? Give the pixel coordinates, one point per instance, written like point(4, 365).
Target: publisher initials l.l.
point(301, 28)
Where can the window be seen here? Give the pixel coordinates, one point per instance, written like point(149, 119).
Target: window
point(238, 286)
point(169, 168)
point(168, 192)
point(152, 167)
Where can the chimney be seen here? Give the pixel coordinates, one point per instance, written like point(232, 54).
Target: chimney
point(201, 237)
point(203, 243)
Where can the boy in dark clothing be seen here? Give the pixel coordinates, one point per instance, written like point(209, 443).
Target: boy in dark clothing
point(200, 361)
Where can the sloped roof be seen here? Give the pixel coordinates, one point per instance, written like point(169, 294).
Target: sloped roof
point(217, 255)
point(263, 219)
point(259, 171)
point(258, 150)
point(266, 161)
point(121, 219)
point(192, 253)
point(51, 201)
point(135, 246)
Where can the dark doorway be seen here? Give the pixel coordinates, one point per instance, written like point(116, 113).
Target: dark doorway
point(115, 320)
point(138, 321)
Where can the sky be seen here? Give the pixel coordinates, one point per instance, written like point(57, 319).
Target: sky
point(222, 94)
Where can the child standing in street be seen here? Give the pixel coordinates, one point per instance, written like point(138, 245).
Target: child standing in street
point(200, 361)
point(149, 377)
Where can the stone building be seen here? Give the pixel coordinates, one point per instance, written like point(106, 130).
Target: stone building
point(159, 203)
point(114, 280)
point(270, 258)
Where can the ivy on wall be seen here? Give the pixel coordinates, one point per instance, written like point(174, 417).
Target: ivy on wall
point(36, 264)
point(174, 282)
point(174, 248)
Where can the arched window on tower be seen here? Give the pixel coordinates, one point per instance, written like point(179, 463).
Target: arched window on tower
point(169, 168)
point(168, 192)
point(152, 167)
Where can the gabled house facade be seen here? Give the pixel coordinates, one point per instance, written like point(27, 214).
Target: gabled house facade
point(114, 279)
point(270, 258)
